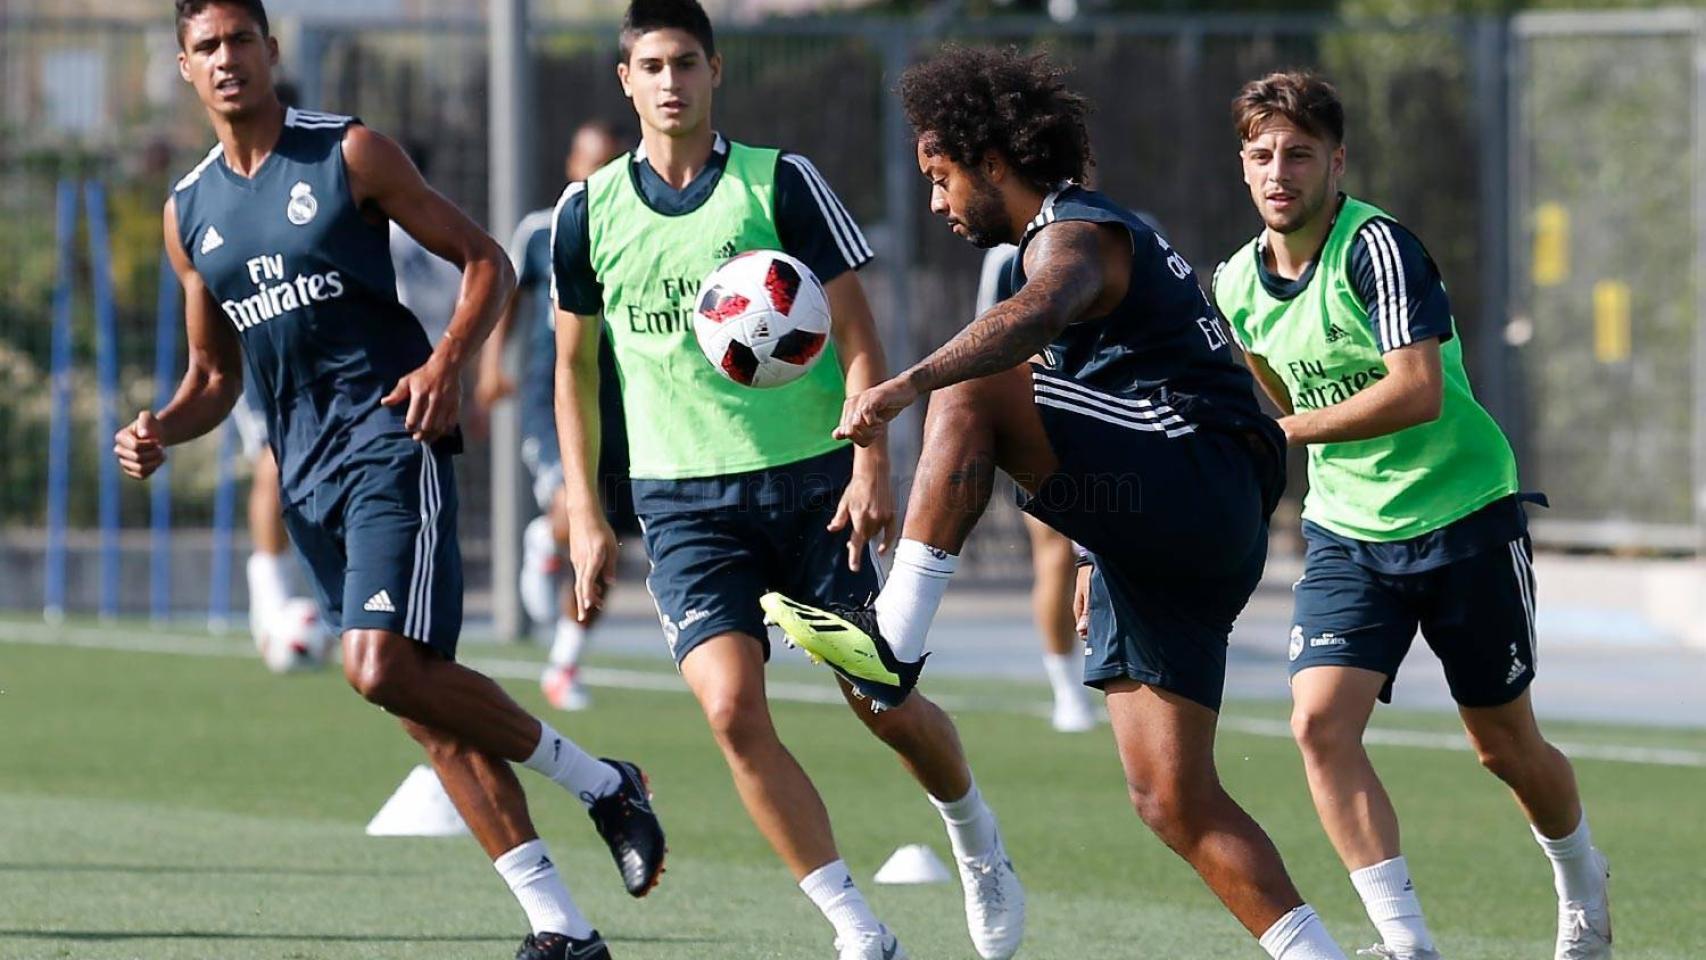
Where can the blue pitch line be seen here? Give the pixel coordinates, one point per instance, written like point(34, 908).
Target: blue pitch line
point(92, 638)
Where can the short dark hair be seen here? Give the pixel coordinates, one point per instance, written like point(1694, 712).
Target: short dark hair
point(1309, 102)
point(966, 101)
point(187, 9)
point(644, 16)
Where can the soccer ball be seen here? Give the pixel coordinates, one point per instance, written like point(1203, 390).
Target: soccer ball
point(762, 319)
point(294, 638)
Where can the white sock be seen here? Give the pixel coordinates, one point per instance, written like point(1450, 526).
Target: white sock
point(269, 585)
point(831, 887)
point(1389, 896)
point(1300, 935)
point(971, 824)
point(1575, 873)
point(571, 641)
point(575, 770)
point(909, 599)
point(1065, 675)
point(533, 878)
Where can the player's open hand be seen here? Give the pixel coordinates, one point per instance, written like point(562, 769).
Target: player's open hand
point(139, 448)
point(592, 552)
point(434, 395)
point(867, 506)
point(866, 416)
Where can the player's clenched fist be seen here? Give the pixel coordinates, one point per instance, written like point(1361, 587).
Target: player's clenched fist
point(138, 446)
point(863, 417)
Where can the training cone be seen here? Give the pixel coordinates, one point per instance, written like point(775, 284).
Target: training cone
point(913, 863)
point(419, 808)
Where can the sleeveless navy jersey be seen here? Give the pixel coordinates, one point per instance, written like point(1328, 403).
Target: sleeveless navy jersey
point(309, 284)
point(1164, 342)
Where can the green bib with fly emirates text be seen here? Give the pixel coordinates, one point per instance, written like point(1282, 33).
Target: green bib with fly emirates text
point(685, 419)
point(1321, 344)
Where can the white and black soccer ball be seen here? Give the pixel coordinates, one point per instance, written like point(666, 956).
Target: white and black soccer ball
point(294, 638)
point(762, 319)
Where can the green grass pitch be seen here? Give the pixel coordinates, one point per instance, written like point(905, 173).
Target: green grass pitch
point(156, 806)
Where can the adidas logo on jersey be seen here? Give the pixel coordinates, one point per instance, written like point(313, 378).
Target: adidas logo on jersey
point(1334, 334)
point(211, 240)
point(379, 603)
point(726, 251)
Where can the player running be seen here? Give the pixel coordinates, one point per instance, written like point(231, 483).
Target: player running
point(1413, 516)
point(741, 491)
point(546, 540)
point(279, 239)
point(1134, 432)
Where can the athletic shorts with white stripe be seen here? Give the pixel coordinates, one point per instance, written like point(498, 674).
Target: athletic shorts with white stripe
point(1174, 516)
point(1476, 613)
point(380, 548)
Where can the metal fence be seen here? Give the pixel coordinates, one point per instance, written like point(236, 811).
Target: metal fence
point(1551, 164)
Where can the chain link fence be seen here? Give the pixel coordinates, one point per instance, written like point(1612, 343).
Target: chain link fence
point(1474, 132)
point(1607, 251)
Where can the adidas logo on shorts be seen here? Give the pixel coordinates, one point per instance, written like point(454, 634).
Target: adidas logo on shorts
point(379, 603)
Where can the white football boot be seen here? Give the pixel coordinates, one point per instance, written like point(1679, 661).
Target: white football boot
point(882, 946)
point(1385, 952)
point(563, 688)
point(1584, 928)
point(995, 902)
point(1073, 713)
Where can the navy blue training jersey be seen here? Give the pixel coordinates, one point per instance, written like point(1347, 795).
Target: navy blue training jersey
point(309, 285)
point(1164, 342)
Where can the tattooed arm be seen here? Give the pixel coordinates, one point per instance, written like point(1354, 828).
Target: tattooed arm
point(1064, 271)
point(1074, 269)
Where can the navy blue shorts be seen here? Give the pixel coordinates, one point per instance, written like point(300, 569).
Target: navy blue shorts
point(1477, 613)
point(1176, 520)
point(379, 547)
point(718, 544)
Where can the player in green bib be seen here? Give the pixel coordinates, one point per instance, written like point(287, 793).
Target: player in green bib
point(741, 491)
point(1413, 519)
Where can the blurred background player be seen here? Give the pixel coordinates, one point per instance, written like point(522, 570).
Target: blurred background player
point(1413, 516)
point(1054, 566)
point(278, 238)
point(742, 490)
point(548, 597)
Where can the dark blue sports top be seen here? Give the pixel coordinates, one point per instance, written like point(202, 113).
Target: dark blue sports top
point(1165, 343)
point(308, 283)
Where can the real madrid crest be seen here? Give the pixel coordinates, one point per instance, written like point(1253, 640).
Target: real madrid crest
point(1296, 642)
point(302, 206)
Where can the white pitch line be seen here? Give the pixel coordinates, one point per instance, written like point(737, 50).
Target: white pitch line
point(146, 641)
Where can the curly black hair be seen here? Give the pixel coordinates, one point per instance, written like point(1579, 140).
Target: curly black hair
point(966, 101)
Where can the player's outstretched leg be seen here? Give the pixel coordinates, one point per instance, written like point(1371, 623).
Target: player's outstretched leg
point(416, 683)
point(1331, 706)
point(971, 428)
point(929, 747)
point(1166, 746)
point(490, 799)
point(726, 674)
point(1509, 742)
